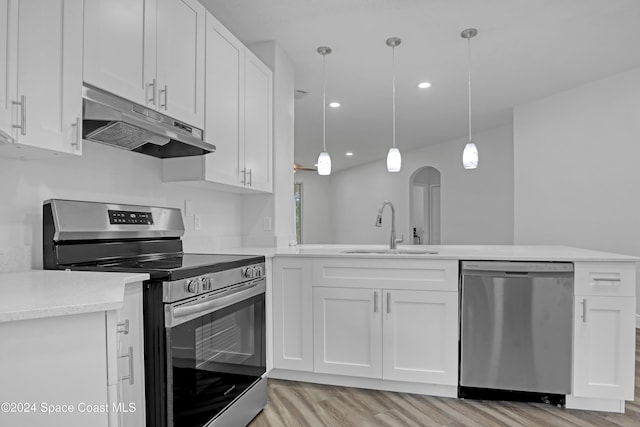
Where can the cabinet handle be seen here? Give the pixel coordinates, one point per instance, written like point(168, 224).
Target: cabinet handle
point(6, 138)
point(23, 115)
point(244, 176)
point(388, 302)
point(130, 356)
point(166, 97)
point(152, 85)
point(250, 178)
point(78, 133)
point(123, 327)
point(584, 310)
point(606, 279)
point(375, 301)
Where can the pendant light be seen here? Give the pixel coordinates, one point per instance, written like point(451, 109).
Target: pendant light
point(324, 160)
point(394, 160)
point(470, 153)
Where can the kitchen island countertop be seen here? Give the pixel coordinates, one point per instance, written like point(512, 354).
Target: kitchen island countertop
point(46, 293)
point(459, 252)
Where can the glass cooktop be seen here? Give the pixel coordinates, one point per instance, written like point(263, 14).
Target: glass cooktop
point(176, 267)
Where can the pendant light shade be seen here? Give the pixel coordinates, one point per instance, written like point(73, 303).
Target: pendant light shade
point(470, 156)
point(470, 153)
point(324, 160)
point(394, 160)
point(324, 164)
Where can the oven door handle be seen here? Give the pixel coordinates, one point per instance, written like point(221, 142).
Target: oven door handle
point(181, 313)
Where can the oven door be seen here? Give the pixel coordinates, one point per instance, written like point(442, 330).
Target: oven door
point(215, 351)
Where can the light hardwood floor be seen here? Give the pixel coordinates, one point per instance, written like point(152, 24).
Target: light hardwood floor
point(294, 404)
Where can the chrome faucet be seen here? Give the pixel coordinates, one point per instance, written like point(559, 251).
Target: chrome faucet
point(393, 242)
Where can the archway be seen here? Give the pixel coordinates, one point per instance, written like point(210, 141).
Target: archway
point(424, 206)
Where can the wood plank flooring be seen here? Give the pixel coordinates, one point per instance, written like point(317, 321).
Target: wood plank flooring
point(294, 404)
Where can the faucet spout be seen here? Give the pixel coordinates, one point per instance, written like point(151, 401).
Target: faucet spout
point(393, 242)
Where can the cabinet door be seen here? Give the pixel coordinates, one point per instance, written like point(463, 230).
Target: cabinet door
point(420, 336)
point(224, 103)
point(257, 124)
point(120, 48)
point(8, 21)
point(604, 347)
point(54, 360)
point(347, 330)
point(49, 83)
point(292, 314)
point(181, 60)
point(130, 353)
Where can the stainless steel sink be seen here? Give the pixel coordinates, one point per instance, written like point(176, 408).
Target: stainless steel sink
point(391, 251)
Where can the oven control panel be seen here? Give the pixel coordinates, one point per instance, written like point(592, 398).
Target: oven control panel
point(185, 288)
point(252, 272)
point(129, 217)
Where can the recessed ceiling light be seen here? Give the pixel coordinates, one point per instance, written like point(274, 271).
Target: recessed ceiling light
point(348, 153)
point(334, 104)
point(424, 85)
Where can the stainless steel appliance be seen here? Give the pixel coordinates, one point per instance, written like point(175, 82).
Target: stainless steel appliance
point(515, 328)
point(204, 314)
point(111, 120)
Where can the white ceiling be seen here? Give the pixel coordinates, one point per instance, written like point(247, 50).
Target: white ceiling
point(524, 50)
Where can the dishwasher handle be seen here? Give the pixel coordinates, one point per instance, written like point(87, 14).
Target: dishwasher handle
point(515, 268)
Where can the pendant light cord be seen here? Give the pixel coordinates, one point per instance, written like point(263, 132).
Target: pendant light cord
point(393, 72)
point(469, 60)
point(324, 106)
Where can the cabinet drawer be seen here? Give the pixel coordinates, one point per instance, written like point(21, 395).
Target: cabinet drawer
point(441, 275)
point(605, 278)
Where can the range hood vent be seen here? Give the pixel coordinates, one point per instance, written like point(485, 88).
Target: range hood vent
point(111, 120)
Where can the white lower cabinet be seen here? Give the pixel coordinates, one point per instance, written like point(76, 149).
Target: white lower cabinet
point(328, 319)
point(402, 335)
point(76, 370)
point(347, 328)
point(420, 336)
point(292, 314)
point(604, 347)
point(130, 359)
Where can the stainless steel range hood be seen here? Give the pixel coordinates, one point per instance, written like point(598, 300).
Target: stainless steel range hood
point(111, 120)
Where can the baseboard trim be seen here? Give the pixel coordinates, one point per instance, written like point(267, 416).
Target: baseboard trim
point(368, 383)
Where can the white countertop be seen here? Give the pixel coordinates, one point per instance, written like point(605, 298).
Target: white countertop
point(458, 252)
point(47, 293)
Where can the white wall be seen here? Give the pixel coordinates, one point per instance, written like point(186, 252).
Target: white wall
point(576, 167)
point(477, 205)
point(577, 180)
point(317, 224)
point(103, 174)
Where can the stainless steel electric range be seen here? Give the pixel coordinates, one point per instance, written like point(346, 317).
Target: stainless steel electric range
point(204, 314)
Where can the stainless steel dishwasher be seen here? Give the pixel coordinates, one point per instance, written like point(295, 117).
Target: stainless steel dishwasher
point(515, 327)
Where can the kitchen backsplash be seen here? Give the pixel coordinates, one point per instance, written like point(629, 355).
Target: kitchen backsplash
point(105, 174)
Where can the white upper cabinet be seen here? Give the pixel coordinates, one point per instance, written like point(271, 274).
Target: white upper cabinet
point(258, 121)
point(120, 47)
point(41, 79)
point(150, 52)
point(239, 122)
point(7, 90)
point(224, 103)
point(181, 59)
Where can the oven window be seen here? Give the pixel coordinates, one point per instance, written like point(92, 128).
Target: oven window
point(214, 358)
